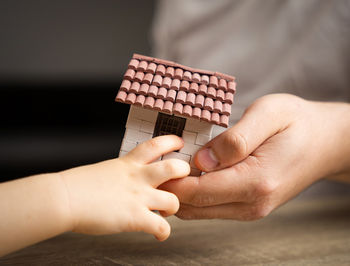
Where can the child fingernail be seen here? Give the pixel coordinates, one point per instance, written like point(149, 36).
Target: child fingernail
point(207, 159)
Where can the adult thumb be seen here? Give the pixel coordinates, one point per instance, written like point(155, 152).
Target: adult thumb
point(259, 122)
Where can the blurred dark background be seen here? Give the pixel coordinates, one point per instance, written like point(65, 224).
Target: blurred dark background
point(61, 64)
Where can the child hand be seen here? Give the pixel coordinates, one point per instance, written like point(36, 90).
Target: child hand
point(119, 195)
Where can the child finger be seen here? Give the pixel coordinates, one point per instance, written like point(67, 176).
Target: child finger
point(152, 149)
point(162, 171)
point(164, 201)
point(156, 225)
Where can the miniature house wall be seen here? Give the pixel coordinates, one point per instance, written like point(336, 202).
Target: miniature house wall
point(169, 98)
point(144, 124)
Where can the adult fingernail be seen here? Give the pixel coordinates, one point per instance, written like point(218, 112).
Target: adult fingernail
point(207, 159)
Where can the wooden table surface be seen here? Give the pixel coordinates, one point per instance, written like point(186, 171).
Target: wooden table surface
point(302, 232)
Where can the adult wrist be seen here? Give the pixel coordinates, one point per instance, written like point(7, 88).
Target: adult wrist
point(338, 127)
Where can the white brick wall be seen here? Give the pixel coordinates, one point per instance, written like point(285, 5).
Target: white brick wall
point(147, 127)
point(128, 145)
point(134, 135)
point(143, 114)
point(189, 137)
point(122, 153)
point(202, 139)
point(190, 149)
point(133, 123)
point(177, 155)
point(198, 126)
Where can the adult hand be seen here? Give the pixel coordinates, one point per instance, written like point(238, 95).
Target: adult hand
point(281, 145)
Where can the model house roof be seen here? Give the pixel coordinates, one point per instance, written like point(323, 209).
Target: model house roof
point(176, 89)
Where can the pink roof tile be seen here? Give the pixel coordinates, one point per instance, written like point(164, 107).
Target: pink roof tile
point(131, 98)
point(147, 78)
point(215, 117)
point(181, 97)
point(175, 84)
point(160, 70)
point(135, 87)
point(168, 107)
point(223, 120)
point(229, 97)
point(139, 76)
point(170, 71)
point(213, 81)
point(196, 112)
point(171, 95)
point(211, 92)
point(169, 87)
point(151, 68)
point(162, 92)
point(178, 107)
point(129, 74)
point(208, 104)
point(231, 86)
point(217, 106)
point(126, 84)
point(184, 85)
point(187, 111)
point(178, 73)
point(142, 66)
point(190, 98)
point(226, 109)
point(196, 78)
point(220, 95)
point(121, 96)
point(144, 89)
point(205, 115)
point(158, 105)
point(133, 63)
point(187, 76)
point(140, 99)
point(157, 80)
point(166, 82)
point(199, 102)
point(205, 79)
point(202, 89)
point(152, 91)
point(149, 102)
point(222, 84)
point(193, 87)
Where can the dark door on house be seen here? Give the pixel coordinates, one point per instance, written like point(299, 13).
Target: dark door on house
point(169, 125)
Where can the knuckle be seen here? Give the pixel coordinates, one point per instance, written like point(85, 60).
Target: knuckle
point(265, 187)
point(202, 200)
point(266, 103)
point(180, 167)
point(153, 143)
point(170, 166)
point(238, 142)
point(269, 102)
point(258, 211)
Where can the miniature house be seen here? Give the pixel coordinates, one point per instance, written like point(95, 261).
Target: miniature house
point(169, 98)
